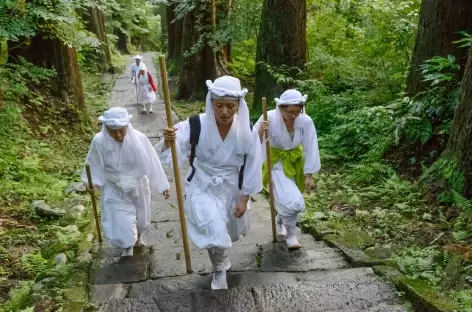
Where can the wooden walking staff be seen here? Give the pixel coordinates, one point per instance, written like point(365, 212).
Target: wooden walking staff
point(94, 201)
point(175, 162)
point(269, 173)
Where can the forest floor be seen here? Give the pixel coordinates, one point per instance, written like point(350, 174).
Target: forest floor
point(42, 208)
point(264, 276)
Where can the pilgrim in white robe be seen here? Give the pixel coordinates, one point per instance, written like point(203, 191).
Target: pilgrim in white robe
point(289, 201)
point(213, 192)
point(126, 173)
point(146, 89)
point(134, 68)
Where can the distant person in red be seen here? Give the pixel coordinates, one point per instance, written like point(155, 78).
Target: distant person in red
point(146, 88)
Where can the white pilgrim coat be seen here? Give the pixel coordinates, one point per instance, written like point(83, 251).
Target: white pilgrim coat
point(288, 199)
point(212, 194)
point(123, 215)
point(146, 94)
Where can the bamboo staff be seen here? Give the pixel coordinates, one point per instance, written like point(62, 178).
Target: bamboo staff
point(269, 172)
point(94, 202)
point(170, 124)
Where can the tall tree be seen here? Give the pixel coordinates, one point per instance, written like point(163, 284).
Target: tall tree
point(163, 15)
point(51, 47)
point(170, 16)
point(281, 42)
point(199, 61)
point(175, 25)
point(52, 53)
point(96, 24)
point(459, 147)
point(438, 27)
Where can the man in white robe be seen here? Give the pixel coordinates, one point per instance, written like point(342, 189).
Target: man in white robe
point(126, 169)
point(218, 212)
point(134, 67)
point(295, 158)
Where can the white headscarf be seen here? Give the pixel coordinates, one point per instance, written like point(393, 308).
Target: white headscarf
point(142, 66)
point(138, 57)
point(132, 148)
point(289, 97)
point(227, 86)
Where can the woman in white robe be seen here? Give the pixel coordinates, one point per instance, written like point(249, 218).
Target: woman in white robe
point(126, 169)
point(295, 158)
point(146, 88)
point(218, 212)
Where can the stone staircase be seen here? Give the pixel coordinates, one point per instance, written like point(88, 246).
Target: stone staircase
point(265, 277)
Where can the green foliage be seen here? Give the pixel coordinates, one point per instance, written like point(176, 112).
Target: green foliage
point(361, 44)
point(33, 264)
point(417, 262)
point(138, 19)
point(18, 80)
point(439, 69)
point(49, 18)
point(19, 297)
point(464, 297)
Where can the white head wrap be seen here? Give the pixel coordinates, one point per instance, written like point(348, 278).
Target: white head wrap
point(289, 97)
point(142, 66)
point(145, 160)
point(116, 117)
point(138, 57)
point(225, 87)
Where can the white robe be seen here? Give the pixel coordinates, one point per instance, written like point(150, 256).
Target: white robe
point(123, 215)
point(288, 199)
point(144, 95)
point(213, 193)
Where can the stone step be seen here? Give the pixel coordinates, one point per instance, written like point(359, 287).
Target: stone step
point(345, 290)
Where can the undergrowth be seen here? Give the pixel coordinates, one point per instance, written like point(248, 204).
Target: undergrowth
point(381, 150)
point(44, 142)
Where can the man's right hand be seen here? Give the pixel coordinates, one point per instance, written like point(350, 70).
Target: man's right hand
point(169, 136)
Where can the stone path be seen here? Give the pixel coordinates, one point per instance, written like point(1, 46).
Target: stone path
point(264, 276)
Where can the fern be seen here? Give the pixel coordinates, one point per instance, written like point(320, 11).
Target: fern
point(464, 297)
point(462, 203)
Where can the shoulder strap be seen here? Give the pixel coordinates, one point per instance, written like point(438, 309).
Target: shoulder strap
point(195, 128)
point(241, 170)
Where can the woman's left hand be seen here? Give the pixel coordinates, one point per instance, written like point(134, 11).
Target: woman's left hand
point(166, 194)
point(241, 207)
point(309, 183)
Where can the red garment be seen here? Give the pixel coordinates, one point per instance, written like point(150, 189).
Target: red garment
point(151, 81)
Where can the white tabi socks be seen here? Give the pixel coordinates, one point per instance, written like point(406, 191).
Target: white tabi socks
point(217, 257)
point(128, 252)
point(291, 225)
point(280, 230)
point(140, 242)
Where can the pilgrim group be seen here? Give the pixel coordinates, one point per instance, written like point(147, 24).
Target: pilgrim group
point(228, 164)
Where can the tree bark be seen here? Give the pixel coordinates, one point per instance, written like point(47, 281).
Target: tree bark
point(178, 32)
point(188, 67)
point(281, 41)
point(51, 53)
point(96, 24)
point(459, 146)
point(201, 65)
point(163, 14)
point(123, 41)
point(439, 24)
point(170, 16)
